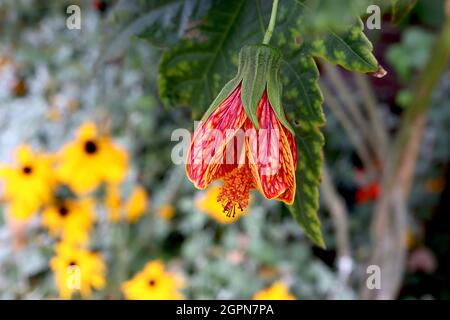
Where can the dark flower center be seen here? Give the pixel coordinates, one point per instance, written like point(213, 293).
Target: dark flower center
point(151, 282)
point(63, 211)
point(72, 263)
point(90, 147)
point(27, 170)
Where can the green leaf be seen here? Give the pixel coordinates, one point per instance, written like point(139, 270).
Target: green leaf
point(350, 49)
point(400, 9)
point(347, 47)
point(192, 73)
point(302, 96)
point(412, 52)
point(160, 22)
point(304, 210)
point(303, 101)
point(323, 15)
point(165, 22)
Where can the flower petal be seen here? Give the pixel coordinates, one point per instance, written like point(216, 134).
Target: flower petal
point(292, 143)
point(271, 155)
point(206, 155)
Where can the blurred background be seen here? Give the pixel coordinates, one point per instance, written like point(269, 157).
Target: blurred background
point(80, 114)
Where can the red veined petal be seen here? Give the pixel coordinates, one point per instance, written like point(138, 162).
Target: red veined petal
point(232, 156)
point(289, 194)
point(271, 156)
point(205, 158)
point(293, 145)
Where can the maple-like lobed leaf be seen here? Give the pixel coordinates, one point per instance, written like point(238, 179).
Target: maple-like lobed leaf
point(193, 73)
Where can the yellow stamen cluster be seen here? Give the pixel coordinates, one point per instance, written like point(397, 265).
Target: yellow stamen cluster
point(235, 192)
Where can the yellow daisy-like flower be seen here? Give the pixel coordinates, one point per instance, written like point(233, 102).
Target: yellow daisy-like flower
point(77, 270)
point(209, 204)
point(70, 219)
point(166, 211)
point(113, 202)
point(90, 160)
point(278, 291)
point(29, 183)
point(136, 204)
point(153, 283)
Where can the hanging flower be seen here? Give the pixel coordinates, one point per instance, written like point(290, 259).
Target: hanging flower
point(29, 183)
point(207, 203)
point(71, 220)
point(91, 160)
point(136, 204)
point(278, 291)
point(245, 138)
point(153, 283)
point(77, 270)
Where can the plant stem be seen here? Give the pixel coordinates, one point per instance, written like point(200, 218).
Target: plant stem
point(399, 172)
point(271, 26)
point(353, 132)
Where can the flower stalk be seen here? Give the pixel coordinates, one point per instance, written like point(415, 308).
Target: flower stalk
point(271, 26)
